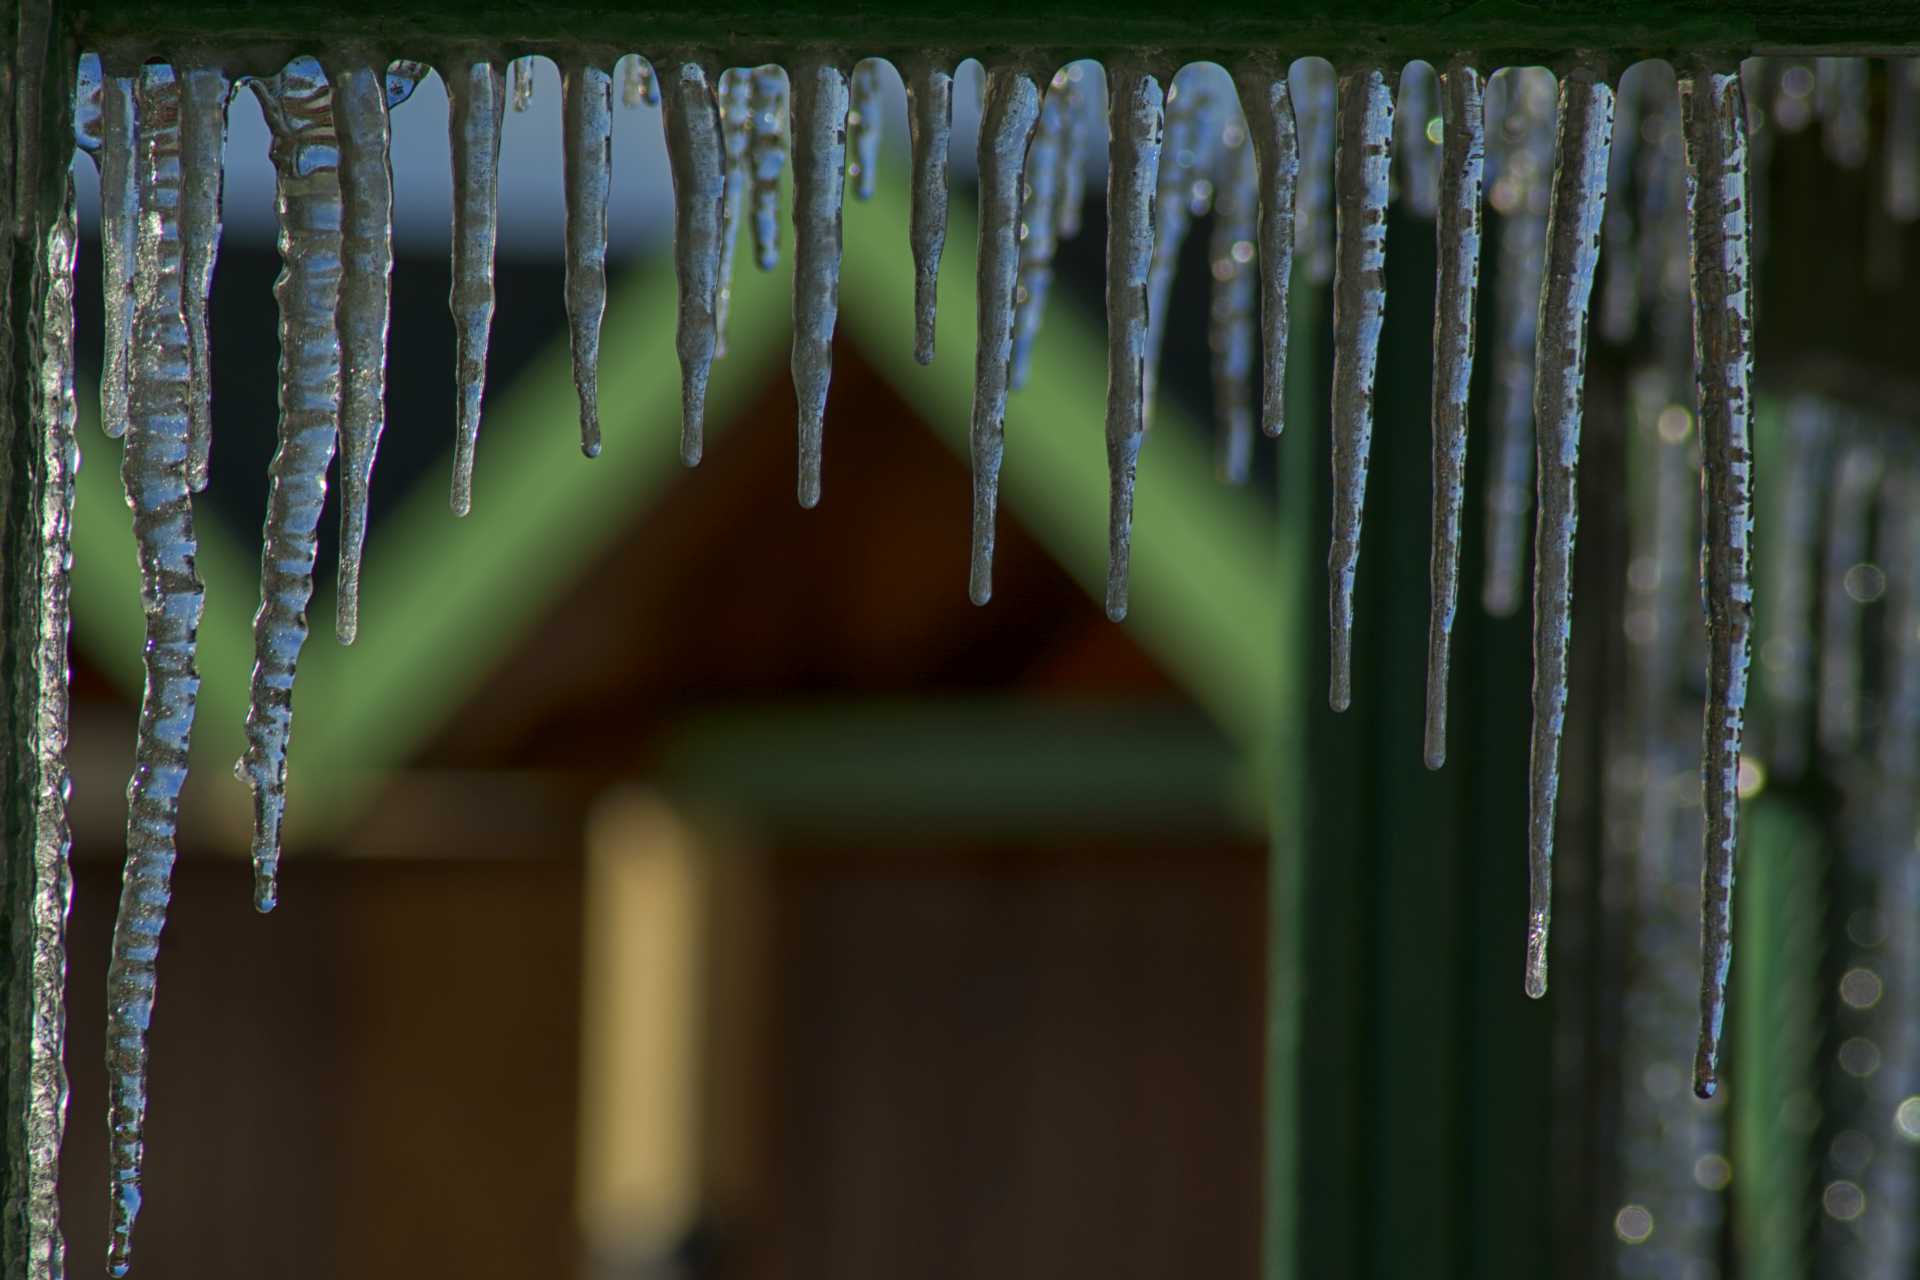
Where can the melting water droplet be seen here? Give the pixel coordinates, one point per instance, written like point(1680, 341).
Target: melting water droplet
point(119, 225)
point(1576, 207)
point(586, 114)
point(203, 144)
point(154, 471)
point(1136, 106)
point(1267, 106)
point(1039, 228)
point(736, 123)
point(1008, 117)
point(476, 105)
point(1714, 113)
point(864, 127)
point(1361, 165)
point(767, 154)
point(696, 156)
point(929, 131)
point(1462, 165)
point(1236, 210)
point(820, 93)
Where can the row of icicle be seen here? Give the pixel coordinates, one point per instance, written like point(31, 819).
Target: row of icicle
point(1290, 160)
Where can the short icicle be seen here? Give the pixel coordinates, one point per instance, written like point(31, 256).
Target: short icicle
point(1267, 104)
point(736, 124)
point(1361, 162)
point(522, 84)
point(1457, 234)
point(697, 159)
point(767, 155)
point(154, 470)
point(586, 114)
point(1230, 314)
point(203, 144)
point(298, 105)
point(1039, 233)
point(1714, 115)
point(88, 108)
point(1136, 106)
point(476, 106)
point(864, 127)
point(1576, 207)
point(929, 132)
point(819, 90)
point(639, 87)
point(119, 225)
point(1313, 85)
point(1070, 83)
point(1008, 117)
point(366, 299)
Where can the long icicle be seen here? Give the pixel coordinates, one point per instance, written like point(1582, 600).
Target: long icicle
point(1457, 233)
point(476, 108)
point(697, 160)
point(1230, 314)
point(1361, 164)
point(1039, 231)
point(819, 91)
point(586, 115)
point(1136, 106)
point(203, 143)
point(298, 106)
point(1714, 114)
point(1008, 117)
point(930, 132)
point(119, 224)
point(1267, 104)
point(366, 298)
point(1575, 210)
point(154, 470)
point(767, 154)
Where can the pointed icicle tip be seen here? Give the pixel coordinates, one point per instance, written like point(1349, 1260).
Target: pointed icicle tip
point(930, 131)
point(586, 114)
point(476, 104)
point(697, 160)
point(819, 91)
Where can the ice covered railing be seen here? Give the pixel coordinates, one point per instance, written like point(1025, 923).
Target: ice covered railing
point(1296, 158)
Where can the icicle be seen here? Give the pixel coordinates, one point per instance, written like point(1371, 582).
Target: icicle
point(1849, 511)
point(1787, 656)
point(476, 105)
point(930, 129)
point(1620, 290)
point(1840, 100)
point(1008, 116)
point(88, 108)
point(1524, 157)
point(1416, 148)
point(119, 218)
point(696, 154)
point(154, 471)
point(768, 156)
point(637, 83)
point(1361, 164)
point(1070, 84)
point(1457, 233)
point(1236, 211)
point(1577, 205)
point(864, 126)
point(366, 298)
point(1267, 105)
point(1714, 116)
point(1902, 188)
point(298, 105)
point(203, 143)
point(403, 77)
point(736, 123)
point(586, 113)
point(1038, 231)
point(42, 934)
point(1136, 106)
point(1184, 190)
point(1313, 104)
point(522, 83)
point(819, 91)
point(1662, 225)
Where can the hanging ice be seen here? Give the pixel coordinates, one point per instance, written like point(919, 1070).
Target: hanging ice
point(1457, 233)
point(1008, 116)
point(1184, 192)
point(586, 114)
point(1359, 305)
point(1313, 103)
point(1416, 150)
point(1714, 115)
point(929, 130)
point(1038, 230)
point(154, 471)
point(366, 297)
point(1136, 107)
point(768, 156)
point(696, 155)
point(736, 122)
point(820, 98)
point(476, 105)
point(119, 217)
point(1576, 207)
point(298, 105)
point(1070, 84)
point(864, 126)
point(638, 85)
point(1230, 336)
point(203, 144)
point(1620, 288)
point(522, 83)
point(1267, 106)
